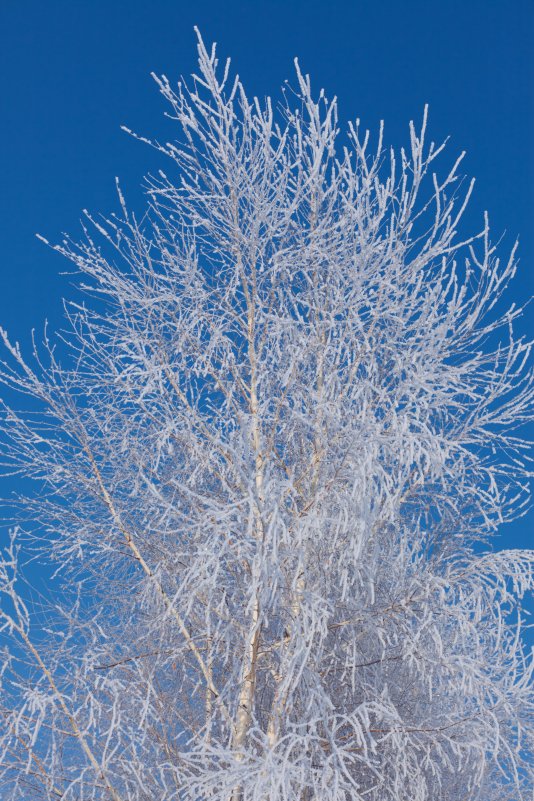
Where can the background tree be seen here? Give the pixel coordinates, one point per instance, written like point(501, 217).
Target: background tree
point(266, 462)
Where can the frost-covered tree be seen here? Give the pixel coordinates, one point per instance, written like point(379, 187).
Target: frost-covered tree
point(264, 464)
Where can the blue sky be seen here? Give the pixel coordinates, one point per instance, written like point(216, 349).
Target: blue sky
point(72, 72)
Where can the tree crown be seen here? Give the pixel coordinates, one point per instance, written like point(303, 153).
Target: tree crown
point(288, 423)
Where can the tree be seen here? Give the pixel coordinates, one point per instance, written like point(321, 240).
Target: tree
point(265, 463)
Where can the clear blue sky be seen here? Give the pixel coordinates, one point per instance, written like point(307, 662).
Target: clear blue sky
point(72, 72)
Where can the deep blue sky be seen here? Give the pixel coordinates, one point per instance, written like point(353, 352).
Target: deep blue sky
point(72, 72)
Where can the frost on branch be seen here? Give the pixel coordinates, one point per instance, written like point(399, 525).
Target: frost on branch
point(264, 465)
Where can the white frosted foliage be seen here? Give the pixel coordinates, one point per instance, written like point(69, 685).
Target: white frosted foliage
point(263, 465)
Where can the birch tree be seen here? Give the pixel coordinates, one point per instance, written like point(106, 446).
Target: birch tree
point(263, 465)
